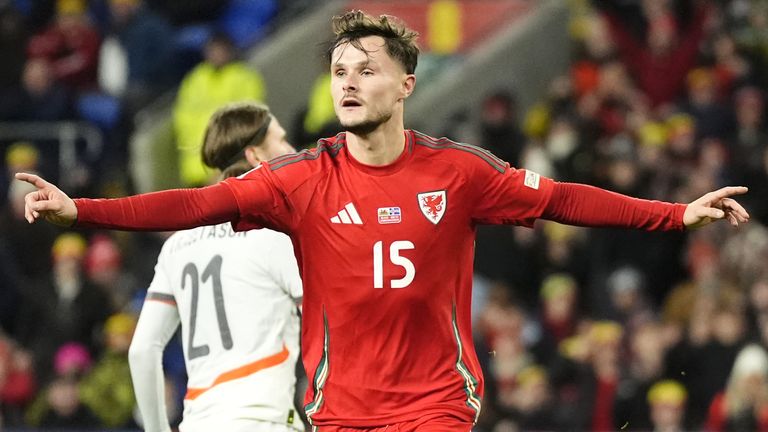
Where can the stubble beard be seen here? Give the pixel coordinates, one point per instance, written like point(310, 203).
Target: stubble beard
point(366, 126)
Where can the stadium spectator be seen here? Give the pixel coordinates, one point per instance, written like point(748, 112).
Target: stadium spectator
point(501, 326)
point(628, 298)
point(13, 42)
point(19, 154)
point(40, 97)
point(17, 381)
point(743, 405)
point(566, 149)
point(139, 41)
point(72, 360)
point(585, 375)
point(532, 405)
point(560, 313)
point(748, 145)
point(604, 340)
point(563, 251)
point(135, 66)
point(498, 126)
point(70, 45)
point(750, 31)
point(61, 308)
point(731, 68)
point(667, 403)
point(594, 48)
point(716, 332)
point(106, 389)
point(318, 120)
point(221, 78)
point(104, 268)
point(660, 62)
point(13, 230)
point(711, 117)
point(758, 309)
point(645, 366)
point(59, 404)
point(749, 135)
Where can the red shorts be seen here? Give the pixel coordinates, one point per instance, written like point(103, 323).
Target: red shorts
point(424, 424)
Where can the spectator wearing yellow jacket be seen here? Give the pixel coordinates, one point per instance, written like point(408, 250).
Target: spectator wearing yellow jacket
point(219, 79)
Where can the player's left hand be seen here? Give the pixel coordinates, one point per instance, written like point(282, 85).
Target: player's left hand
point(714, 206)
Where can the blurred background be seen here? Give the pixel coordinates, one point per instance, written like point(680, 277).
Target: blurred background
point(577, 329)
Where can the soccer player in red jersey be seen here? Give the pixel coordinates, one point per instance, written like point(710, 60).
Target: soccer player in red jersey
point(383, 225)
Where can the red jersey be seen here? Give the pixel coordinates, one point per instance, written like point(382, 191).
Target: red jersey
point(386, 256)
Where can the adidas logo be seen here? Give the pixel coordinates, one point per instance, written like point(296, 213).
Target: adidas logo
point(348, 215)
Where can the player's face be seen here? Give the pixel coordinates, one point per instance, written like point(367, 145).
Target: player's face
point(368, 87)
point(274, 143)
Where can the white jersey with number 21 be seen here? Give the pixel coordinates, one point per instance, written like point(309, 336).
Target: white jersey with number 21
point(235, 295)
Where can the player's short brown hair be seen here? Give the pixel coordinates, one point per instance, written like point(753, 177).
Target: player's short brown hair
point(399, 39)
point(230, 130)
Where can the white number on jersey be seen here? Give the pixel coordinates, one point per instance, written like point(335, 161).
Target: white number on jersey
point(396, 259)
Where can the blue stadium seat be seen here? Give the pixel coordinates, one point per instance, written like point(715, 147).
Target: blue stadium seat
point(245, 20)
point(101, 109)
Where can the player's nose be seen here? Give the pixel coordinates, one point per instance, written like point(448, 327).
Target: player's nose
point(349, 84)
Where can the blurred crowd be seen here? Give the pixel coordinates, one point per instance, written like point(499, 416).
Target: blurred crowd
point(577, 329)
point(603, 329)
point(69, 299)
point(102, 61)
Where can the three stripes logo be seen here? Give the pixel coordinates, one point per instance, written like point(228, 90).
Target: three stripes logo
point(347, 216)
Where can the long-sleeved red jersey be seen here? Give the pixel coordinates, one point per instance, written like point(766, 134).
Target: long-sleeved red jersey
point(386, 255)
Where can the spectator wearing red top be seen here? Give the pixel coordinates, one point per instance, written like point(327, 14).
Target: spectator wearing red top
point(661, 62)
point(17, 381)
point(71, 44)
point(744, 403)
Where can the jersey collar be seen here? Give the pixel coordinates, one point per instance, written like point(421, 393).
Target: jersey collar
point(383, 170)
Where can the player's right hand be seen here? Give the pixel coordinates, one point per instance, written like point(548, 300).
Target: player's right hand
point(47, 202)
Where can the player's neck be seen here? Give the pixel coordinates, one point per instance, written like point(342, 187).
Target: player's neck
point(378, 148)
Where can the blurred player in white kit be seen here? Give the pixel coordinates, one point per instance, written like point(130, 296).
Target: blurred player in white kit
point(236, 296)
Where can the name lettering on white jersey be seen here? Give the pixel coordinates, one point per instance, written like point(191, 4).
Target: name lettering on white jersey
point(433, 205)
point(532, 180)
point(347, 216)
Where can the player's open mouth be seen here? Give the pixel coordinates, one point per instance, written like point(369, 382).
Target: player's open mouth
point(350, 103)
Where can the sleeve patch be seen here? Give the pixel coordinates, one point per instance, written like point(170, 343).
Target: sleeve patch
point(532, 180)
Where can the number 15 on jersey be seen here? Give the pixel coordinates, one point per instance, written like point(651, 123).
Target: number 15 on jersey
point(396, 259)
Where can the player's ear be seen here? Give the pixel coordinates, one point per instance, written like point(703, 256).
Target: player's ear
point(408, 84)
point(252, 155)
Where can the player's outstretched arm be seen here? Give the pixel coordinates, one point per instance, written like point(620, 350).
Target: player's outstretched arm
point(714, 206)
point(168, 210)
point(47, 202)
point(584, 205)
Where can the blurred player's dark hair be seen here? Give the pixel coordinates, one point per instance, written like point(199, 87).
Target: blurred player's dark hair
point(230, 130)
